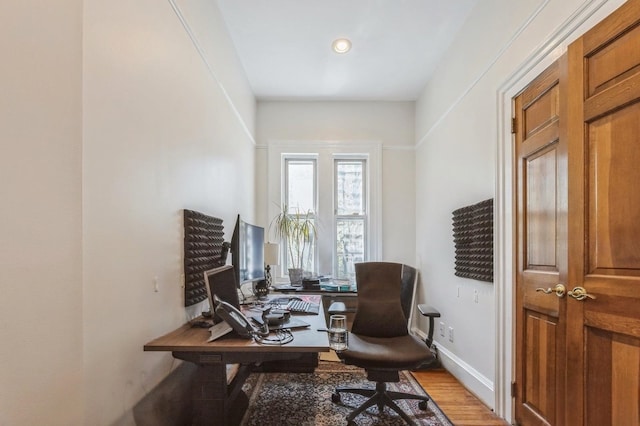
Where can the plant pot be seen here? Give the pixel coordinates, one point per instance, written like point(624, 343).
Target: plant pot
point(295, 276)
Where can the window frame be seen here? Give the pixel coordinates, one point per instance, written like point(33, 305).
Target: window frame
point(363, 215)
point(286, 160)
point(326, 152)
point(285, 189)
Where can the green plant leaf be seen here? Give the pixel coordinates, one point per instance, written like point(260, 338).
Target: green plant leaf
point(297, 229)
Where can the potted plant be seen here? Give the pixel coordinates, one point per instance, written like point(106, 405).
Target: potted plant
point(298, 230)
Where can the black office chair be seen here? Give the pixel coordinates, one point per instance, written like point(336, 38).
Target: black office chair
point(379, 340)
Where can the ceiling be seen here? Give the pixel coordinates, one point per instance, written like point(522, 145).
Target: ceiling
point(285, 45)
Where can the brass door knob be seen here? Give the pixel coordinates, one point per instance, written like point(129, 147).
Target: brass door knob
point(559, 289)
point(580, 293)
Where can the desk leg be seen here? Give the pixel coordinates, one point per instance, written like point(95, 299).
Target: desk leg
point(215, 402)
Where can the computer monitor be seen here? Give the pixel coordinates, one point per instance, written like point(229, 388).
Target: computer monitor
point(221, 281)
point(247, 251)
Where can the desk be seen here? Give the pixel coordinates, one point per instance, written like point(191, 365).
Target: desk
point(214, 400)
point(349, 298)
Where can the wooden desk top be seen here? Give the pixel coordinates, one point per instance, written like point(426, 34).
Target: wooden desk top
point(194, 339)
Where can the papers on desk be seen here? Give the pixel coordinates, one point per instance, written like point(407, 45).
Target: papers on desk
point(287, 287)
point(291, 323)
point(334, 286)
point(219, 330)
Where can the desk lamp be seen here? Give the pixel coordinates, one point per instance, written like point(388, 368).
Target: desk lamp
point(271, 255)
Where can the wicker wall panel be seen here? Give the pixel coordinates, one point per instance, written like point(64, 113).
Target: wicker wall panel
point(204, 249)
point(473, 239)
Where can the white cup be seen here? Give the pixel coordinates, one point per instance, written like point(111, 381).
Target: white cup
point(338, 335)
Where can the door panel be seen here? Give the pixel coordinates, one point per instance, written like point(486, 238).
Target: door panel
point(614, 156)
point(541, 372)
point(541, 206)
point(617, 388)
point(541, 242)
point(615, 62)
point(603, 332)
point(542, 111)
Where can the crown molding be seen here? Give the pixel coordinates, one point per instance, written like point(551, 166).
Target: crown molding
point(209, 67)
point(482, 73)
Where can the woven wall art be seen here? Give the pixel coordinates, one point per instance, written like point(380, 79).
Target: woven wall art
point(204, 249)
point(473, 239)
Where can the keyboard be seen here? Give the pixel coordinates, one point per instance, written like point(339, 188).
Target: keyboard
point(302, 307)
point(295, 305)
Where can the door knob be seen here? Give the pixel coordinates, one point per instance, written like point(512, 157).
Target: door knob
point(579, 293)
point(559, 289)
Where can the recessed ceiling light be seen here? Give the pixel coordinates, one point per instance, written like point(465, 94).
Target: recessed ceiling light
point(341, 45)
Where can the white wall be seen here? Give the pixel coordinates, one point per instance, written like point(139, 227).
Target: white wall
point(457, 137)
point(160, 135)
point(115, 116)
point(40, 213)
point(390, 123)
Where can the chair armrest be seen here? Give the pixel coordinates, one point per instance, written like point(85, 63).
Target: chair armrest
point(431, 313)
point(337, 308)
point(428, 311)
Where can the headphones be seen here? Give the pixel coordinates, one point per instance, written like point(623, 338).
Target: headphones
point(275, 317)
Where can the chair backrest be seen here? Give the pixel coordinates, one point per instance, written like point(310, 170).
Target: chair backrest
point(408, 294)
point(385, 296)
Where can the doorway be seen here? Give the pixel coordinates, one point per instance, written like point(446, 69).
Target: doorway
point(535, 63)
point(577, 237)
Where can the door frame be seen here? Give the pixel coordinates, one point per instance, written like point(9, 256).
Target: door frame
point(586, 16)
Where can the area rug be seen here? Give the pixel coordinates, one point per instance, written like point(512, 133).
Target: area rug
point(304, 399)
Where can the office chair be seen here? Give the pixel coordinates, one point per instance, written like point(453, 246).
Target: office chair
point(379, 340)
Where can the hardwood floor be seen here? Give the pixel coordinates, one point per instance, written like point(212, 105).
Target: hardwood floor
point(460, 405)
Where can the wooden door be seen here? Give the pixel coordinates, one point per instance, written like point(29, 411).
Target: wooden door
point(603, 330)
point(541, 235)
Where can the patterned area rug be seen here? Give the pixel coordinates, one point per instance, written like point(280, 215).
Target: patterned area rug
point(305, 399)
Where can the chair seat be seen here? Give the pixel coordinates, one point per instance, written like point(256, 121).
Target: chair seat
point(396, 353)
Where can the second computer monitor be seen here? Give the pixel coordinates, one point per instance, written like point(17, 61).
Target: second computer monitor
point(221, 282)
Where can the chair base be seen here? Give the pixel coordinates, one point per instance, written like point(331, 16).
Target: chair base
point(381, 397)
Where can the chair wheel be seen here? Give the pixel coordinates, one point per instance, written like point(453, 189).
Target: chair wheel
point(422, 405)
point(335, 397)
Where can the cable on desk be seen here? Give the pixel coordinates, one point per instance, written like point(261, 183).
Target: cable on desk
point(282, 337)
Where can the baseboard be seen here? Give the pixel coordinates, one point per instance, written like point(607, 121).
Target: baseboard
point(478, 384)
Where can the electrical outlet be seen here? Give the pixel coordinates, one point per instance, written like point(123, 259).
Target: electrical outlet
point(475, 296)
point(451, 334)
point(441, 329)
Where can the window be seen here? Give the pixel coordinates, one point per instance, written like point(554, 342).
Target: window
point(300, 178)
point(339, 183)
point(350, 215)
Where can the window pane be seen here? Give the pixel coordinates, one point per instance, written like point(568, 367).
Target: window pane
point(300, 199)
point(350, 246)
point(301, 185)
point(349, 187)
